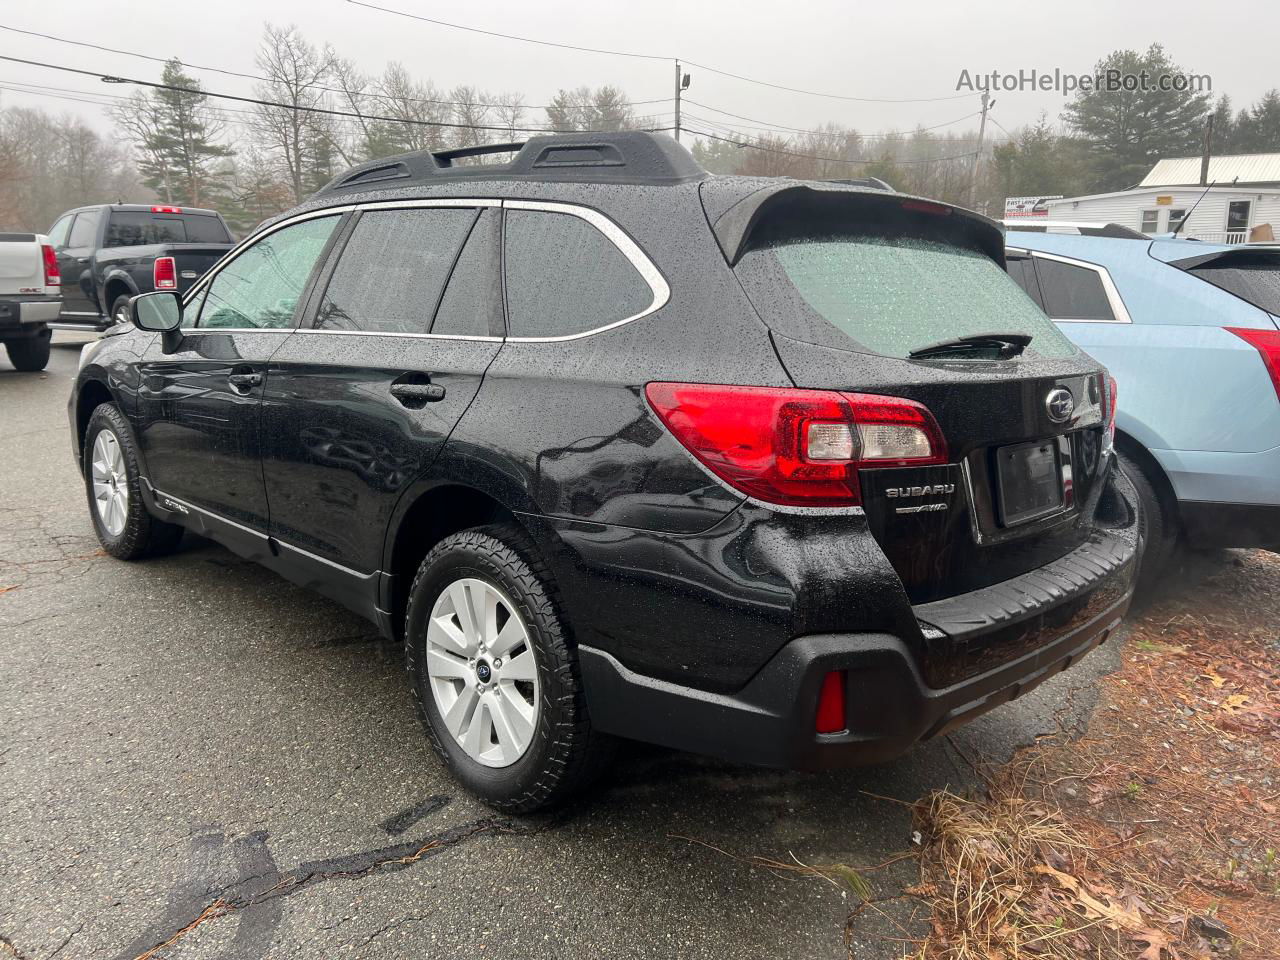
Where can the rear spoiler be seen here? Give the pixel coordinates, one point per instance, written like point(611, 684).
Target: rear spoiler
point(733, 229)
point(1243, 252)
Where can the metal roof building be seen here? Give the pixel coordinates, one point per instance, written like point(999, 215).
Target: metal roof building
point(1247, 169)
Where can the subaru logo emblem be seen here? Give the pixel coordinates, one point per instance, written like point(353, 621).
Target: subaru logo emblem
point(1060, 405)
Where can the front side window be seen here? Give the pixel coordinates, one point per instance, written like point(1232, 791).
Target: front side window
point(565, 277)
point(1150, 221)
point(393, 269)
point(85, 230)
point(1071, 292)
point(889, 293)
point(58, 232)
point(261, 287)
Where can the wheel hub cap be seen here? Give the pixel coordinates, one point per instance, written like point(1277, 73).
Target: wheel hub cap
point(482, 672)
point(110, 483)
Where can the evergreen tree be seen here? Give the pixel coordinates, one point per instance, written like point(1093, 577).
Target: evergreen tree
point(182, 146)
point(1128, 130)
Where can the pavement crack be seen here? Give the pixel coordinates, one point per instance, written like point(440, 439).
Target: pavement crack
point(265, 888)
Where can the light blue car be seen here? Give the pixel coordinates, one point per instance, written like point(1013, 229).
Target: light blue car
point(1190, 332)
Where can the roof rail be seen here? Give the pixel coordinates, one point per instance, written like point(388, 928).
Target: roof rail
point(626, 156)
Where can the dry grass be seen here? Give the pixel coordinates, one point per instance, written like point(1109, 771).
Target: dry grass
point(1154, 836)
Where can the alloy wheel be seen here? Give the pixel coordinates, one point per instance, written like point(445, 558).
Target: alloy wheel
point(482, 672)
point(110, 483)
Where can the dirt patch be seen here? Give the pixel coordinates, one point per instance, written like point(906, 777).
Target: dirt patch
point(1155, 834)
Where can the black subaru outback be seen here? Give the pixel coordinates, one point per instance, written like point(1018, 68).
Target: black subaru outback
point(789, 473)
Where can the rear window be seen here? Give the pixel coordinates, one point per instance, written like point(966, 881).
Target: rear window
point(1254, 279)
point(889, 293)
point(135, 228)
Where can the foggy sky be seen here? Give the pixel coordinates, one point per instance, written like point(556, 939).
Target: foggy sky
point(880, 49)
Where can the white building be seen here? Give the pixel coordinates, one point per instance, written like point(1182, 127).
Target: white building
point(1245, 200)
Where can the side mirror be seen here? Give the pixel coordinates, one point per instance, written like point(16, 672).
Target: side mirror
point(156, 312)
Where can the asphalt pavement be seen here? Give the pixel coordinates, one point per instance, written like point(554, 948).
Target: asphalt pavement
point(200, 760)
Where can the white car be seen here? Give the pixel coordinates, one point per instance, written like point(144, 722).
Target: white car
point(30, 297)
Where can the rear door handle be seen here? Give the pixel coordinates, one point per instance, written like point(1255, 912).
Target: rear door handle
point(245, 381)
point(417, 393)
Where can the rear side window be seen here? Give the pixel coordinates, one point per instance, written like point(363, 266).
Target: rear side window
point(84, 233)
point(472, 302)
point(131, 228)
point(566, 277)
point(1254, 279)
point(1071, 292)
point(393, 269)
point(889, 293)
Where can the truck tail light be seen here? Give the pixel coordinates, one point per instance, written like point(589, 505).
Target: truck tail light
point(796, 447)
point(1267, 343)
point(165, 274)
point(830, 716)
point(52, 275)
point(166, 209)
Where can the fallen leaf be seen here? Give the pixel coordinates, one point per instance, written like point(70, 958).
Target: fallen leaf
point(1212, 676)
point(1156, 942)
point(1235, 703)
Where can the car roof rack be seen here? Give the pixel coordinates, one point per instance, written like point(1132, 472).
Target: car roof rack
point(627, 156)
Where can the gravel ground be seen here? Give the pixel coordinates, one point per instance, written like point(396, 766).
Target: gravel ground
point(194, 731)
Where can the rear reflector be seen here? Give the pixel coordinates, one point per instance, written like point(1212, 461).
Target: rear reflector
point(1112, 390)
point(1267, 343)
point(52, 275)
point(165, 274)
point(166, 209)
point(830, 717)
point(796, 447)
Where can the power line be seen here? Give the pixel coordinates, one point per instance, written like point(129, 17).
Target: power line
point(810, 156)
point(865, 136)
point(325, 111)
point(253, 76)
point(650, 56)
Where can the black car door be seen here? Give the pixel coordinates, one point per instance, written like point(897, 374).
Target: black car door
point(75, 264)
point(405, 321)
point(197, 418)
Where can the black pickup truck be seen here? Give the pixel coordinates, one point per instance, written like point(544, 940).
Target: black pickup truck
point(111, 252)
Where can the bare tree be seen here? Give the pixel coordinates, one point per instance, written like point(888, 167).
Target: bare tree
point(296, 71)
point(416, 105)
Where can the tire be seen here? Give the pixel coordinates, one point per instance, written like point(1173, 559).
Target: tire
point(1157, 522)
point(30, 354)
point(126, 531)
point(120, 309)
point(564, 754)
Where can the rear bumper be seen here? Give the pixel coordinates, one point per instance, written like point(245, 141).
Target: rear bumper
point(18, 313)
point(1215, 525)
point(1050, 618)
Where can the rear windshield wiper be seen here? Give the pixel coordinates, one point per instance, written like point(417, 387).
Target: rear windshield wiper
point(1005, 344)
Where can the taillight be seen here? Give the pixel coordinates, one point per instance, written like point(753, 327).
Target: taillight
point(796, 447)
point(166, 209)
point(1267, 343)
point(164, 274)
point(52, 275)
point(830, 716)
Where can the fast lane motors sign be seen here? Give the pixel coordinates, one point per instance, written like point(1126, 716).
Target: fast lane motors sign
point(1028, 206)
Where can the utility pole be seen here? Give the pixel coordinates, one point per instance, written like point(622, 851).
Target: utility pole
point(1207, 151)
point(977, 155)
point(679, 77)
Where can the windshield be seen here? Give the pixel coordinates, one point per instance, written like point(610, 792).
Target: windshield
point(890, 294)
